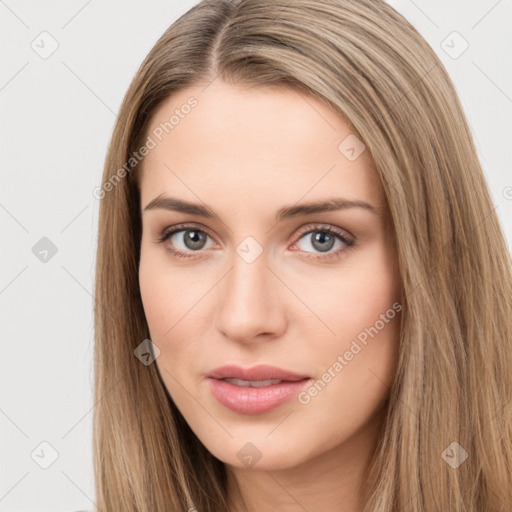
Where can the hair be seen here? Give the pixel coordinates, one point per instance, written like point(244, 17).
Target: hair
point(453, 383)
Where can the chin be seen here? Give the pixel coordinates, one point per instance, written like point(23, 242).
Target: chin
point(258, 453)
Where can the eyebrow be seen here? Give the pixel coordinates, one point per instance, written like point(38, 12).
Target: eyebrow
point(332, 204)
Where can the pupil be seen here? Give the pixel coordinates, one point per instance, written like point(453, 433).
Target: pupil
point(194, 239)
point(321, 237)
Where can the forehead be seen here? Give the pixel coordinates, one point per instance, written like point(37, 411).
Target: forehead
point(254, 145)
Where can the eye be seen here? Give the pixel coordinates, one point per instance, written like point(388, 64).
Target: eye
point(186, 239)
point(322, 238)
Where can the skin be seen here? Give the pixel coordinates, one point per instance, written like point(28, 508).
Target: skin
point(246, 152)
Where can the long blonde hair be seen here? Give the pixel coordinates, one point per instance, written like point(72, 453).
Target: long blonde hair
point(453, 389)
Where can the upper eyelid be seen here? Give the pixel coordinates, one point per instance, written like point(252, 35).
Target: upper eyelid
point(319, 226)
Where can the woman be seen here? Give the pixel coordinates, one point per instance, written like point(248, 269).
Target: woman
point(303, 292)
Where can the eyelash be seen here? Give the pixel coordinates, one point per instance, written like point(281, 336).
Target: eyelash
point(323, 228)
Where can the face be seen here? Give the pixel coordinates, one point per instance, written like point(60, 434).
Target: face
point(235, 272)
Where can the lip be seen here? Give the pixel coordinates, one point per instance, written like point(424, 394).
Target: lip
point(258, 372)
point(255, 400)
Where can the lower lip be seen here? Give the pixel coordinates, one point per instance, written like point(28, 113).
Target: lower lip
point(249, 400)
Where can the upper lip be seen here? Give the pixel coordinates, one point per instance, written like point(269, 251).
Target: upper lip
point(258, 372)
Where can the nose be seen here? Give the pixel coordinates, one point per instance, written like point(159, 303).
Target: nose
point(249, 302)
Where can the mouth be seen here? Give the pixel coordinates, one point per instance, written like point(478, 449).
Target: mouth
point(253, 383)
point(255, 390)
point(261, 372)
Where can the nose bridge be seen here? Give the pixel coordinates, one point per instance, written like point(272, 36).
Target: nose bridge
point(248, 304)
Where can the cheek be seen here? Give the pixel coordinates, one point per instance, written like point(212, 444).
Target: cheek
point(155, 295)
point(357, 363)
point(166, 292)
point(373, 325)
point(355, 375)
point(370, 308)
point(172, 306)
point(351, 299)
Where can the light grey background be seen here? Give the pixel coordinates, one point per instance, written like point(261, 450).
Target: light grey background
point(56, 118)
